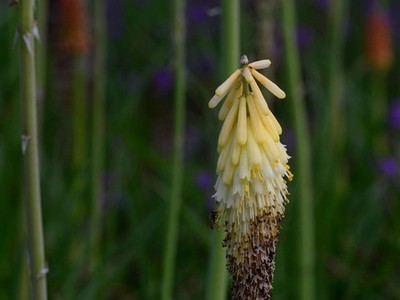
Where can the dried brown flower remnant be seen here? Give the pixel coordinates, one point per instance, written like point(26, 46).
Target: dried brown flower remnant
point(251, 190)
point(378, 41)
point(73, 26)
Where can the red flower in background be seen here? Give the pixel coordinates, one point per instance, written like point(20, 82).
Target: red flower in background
point(73, 26)
point(378, 38)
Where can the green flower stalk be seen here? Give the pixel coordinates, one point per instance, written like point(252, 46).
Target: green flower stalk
point(251, 189)
point(28, 32)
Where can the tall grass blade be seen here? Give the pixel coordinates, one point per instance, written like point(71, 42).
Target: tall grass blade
point(230, 57)
point(178, 153)
point(98, 128)
point(303, 166)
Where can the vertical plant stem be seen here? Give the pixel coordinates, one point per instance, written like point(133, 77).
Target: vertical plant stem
point(334, 79)
point(218, 275)
point(378, 113)
point(335, 119)
point(30, 147)
point(230, 36)
point(98, 128)
point(303, 170)
point(332, 172)
point(230, 60)
point(79, 116)
point(178, 151)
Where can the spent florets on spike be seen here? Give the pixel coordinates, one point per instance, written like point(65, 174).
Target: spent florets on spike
point(251, 189)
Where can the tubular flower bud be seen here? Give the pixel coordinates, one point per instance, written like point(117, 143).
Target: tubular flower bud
point(251, 190)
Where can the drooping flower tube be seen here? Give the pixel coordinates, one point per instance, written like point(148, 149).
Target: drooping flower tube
point(251, 191)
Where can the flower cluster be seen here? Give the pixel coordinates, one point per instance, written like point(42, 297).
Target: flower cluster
point(251, 188)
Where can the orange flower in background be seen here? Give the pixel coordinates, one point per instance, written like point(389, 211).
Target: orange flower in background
point(73, 26)
point(378, 39)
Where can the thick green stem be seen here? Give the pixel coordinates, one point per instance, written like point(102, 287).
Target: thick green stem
point(98, 128)
point(303, 166)
point(218, 275)
point(178, 152)
point(230, 36)
point(30, 147)
point(230, 57)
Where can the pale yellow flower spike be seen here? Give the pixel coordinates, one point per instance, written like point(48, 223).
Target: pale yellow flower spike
point(251, 188)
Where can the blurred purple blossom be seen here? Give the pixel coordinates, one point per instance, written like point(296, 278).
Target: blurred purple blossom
point(394, 115)
point(304, 36)
point(204, 180)
point(370, 5)
point(388, 166)
point(322, 4)
point(197, 13)
point(115, 25)
point(394, 13)
point(163, 79)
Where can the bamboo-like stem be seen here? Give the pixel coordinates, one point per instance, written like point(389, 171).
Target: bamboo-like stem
point(98, 128)
point(230, 57)
point(303, 170)
point(30, 149)
point(178, 152)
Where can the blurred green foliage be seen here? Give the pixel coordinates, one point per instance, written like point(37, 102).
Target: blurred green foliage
point(357, 192)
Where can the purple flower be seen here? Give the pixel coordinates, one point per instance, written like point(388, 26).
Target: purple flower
point(204, 180)
point(197, 13)
point(394, 13)
point(163, 80)
point(115, 26)
point(388, 166)
point(304, 36)
point(322, 4)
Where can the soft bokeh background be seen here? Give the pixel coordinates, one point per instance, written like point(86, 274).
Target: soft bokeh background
point(355, 169)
